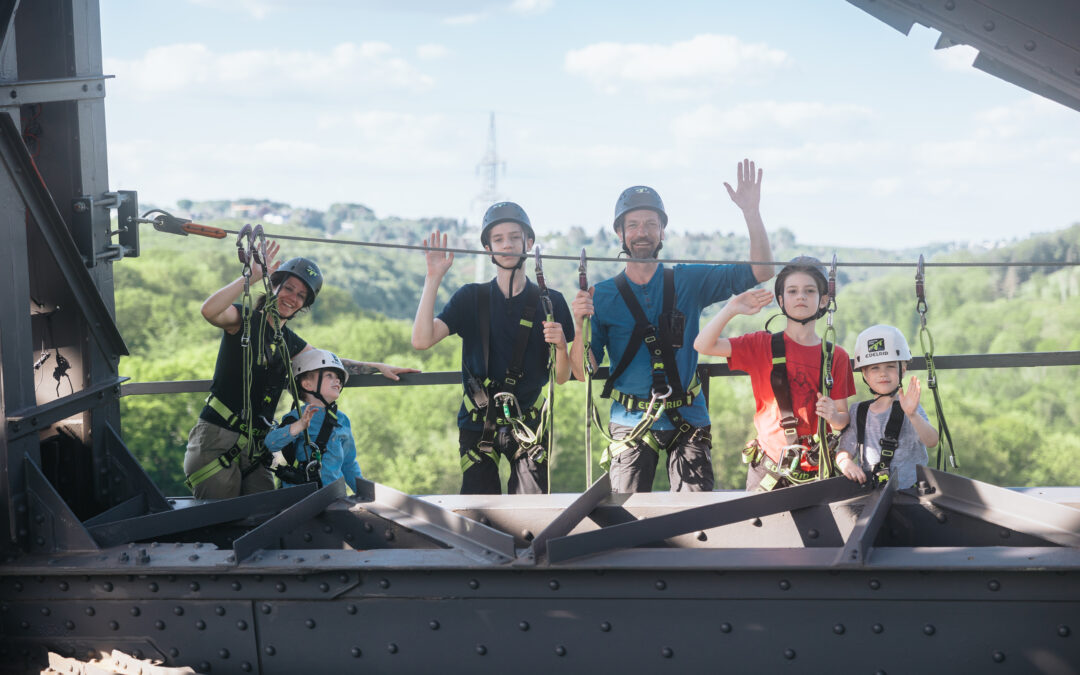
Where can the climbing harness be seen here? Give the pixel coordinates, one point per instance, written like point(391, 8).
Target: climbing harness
point(666, 395)
point(927, 342)
point(888, 443)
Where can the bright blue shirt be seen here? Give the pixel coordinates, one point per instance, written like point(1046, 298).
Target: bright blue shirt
point(460, 314)
point(696, 287)
point(339, 457)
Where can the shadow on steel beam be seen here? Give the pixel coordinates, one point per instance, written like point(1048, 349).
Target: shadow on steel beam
point(269, 534)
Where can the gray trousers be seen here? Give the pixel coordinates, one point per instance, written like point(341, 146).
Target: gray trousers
point(206, 443)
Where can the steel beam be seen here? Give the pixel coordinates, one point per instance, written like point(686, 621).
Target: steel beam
point(569, 518)
point(35, 196)
point(269, 534)
point(1046, 520)
point(38, 418)
point(661, 528)
point(861, 539)
point(53, 526)
point(126, 471)
point(159, 525)
point(445, 527)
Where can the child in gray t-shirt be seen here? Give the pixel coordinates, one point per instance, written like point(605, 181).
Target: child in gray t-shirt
point(888, 435)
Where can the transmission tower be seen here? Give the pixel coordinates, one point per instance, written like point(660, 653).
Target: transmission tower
point(488, 169)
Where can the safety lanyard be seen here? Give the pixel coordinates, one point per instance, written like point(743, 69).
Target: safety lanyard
point(927, 342)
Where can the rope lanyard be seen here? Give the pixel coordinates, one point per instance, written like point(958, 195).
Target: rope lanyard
point(547, 415)
point(825, 459)
point(927, 342)
point(586, 339)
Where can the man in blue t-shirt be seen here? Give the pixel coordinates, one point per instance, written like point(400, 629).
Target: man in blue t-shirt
point(649, 304)
point(504, 354)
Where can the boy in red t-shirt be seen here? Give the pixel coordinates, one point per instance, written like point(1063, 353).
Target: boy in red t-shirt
point(776, 458)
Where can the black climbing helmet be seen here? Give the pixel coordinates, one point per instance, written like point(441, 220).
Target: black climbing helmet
point(504, 212)
point(303, 269)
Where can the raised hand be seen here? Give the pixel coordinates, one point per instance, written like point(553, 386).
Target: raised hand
point(747, 194)
point(438, 259)
point(751, 301)
point(909, 398)
point(272, 248)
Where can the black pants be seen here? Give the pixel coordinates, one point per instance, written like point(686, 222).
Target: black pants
point(689, 462)
point(527, 476)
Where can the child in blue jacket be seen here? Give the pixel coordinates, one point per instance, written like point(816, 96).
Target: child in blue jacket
point(318, 444)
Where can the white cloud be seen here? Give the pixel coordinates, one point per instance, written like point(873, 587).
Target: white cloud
point(712, 122)
point(531, 6)
point(432, 52)
point(686, 68)
point(465, 19)
point(256, 8)
point(267, 73)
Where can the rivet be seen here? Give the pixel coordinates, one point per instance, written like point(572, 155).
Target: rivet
point(553, 584)
point(135, 611)
point(283, 556)
point(70, 625)
point(660, 584)
point(246, 667)
point(200, 624)
point(270, 651)
point(950, 5)
point(605, 626)
point(307, 536)
point(324, 587)
point(45, 611)
point(114, 625)
point(351, 609)
point(725, 627)
point(356, 652)
point(701, 536)
point(994, 585)
point(560, 650)
point(928, 629)
point(474, 584)
point(193, 557)
point(219, 610)
point(241, 625)
point(789, 654)
point(107, 586)
point(392, 648)
point(280, 587)
point(941, 517)
point(174, 652)
point(999, 657)
point(481, 650)
point(368, 527)
point(266, 609)
point(26, 625)
point(324, 556)
point(89, 611)
point(327, 529)
point(875, 584)
point(433, 624)
point(310, 623)
point(1029, 45)
point(194, 585)
point(223, 653)
point(343, 578)
point(785, 585)
point(877, 628)
point(756, 522)
point(388, 534)
point(988, 26)
point(64, 585)
point(159, 624)
point(523, 625)
point(527, 535)
point(204, 667)
point(667, 652)
point(152, 586)
point(1004, 534)
point(236, 585)
point(384, 583)
point(812, 533)
point(839, 629)
point(1064, 631)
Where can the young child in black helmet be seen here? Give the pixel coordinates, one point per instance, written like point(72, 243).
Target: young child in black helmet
point(316, 444)
point(889, 434)
point(784, 450)
point(219, 462)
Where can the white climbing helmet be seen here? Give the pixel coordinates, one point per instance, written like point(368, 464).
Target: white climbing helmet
point(317, 359)
point(880, 344)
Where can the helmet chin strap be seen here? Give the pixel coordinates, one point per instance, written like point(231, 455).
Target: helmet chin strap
point(513, 270)
point(891, 393)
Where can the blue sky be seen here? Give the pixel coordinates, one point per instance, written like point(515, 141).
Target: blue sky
point(867, 137)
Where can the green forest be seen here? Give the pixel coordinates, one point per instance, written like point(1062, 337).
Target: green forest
point(1011, 426)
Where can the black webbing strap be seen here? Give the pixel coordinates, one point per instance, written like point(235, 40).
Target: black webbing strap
point(890, 441)
point(516, 370)
point(665, 369)
point(483, 323)
point(781, 387)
